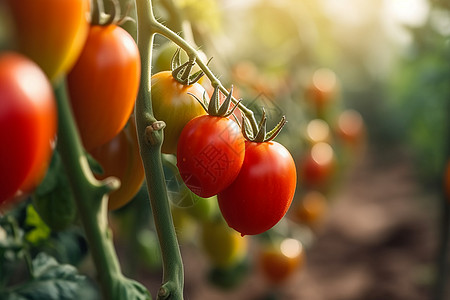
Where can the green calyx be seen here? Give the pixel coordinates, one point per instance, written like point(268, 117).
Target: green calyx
point(261, 135)
point(214, 108)
point(182, 72)
point(113, 16)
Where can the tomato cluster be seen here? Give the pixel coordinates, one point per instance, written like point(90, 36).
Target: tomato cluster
point(54, 39)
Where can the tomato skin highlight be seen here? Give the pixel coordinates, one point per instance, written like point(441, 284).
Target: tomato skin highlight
point(263, 190)
point(28, 119)
point(50, 32)
point(120, 158)
point(172, 104)
point(210, 154)
point(104, 83)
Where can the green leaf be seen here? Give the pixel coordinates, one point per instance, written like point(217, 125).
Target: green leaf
point(40, 231)
point(52, 281)
point(131, 289)
point(54, 200)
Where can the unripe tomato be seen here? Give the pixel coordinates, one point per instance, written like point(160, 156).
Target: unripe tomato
point(172, 104)
point(50, 32)
point(120, 158)
point(279, 262)
point(263, 190)
point(103, 84)
point(223, 246)
point(210, 154)
point(318, 165)
point(28, 120)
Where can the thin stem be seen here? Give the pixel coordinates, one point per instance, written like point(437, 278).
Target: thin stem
point(89, 195)
point(164, 31)
point(150, 136)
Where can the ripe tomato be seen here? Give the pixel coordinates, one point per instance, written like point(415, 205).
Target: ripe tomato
point(223, 246)
point(310, 209)
point(28, 121)
point(263, 190)
point(318, 165)
point(50, 32)
point(350, 127)
point(120, 158)
point(279, 262)
point(173, 105)
point(210, 154)
point(103, 84)
point(322, 89)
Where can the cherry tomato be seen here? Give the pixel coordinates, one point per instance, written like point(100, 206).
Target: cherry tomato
point(350, 127)
point(263, 190)
point(28, 121)
point(50, 32)
point(103, 84)
point(172, 104)
point(210, 154)
point(318, 165)
point(279, 262)
point(322, 89)
point(310, 209)
point(223, 246)
point(120, 158)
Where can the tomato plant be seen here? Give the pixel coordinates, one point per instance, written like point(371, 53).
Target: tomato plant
point(278, 262)
point(28, 122)
point(173, 105)
point(50, 32)
point(120, 158)
point(103, 84)
point(263, 190)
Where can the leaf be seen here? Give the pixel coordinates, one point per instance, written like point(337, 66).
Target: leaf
point(54, 200)
point(52, 281)
point(40, 231)
point(131, 289)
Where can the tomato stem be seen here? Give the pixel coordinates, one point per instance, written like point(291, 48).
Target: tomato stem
point(150, 136)
point(89, 197)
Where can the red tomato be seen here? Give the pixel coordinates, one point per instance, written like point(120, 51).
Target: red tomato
point(28, 121)
point(263, 190)
point(350, 127)
point(279, 262)
point(50, 32)
point(311, 209)
point(318, 165)
point(322, 89)
point(120, 158)
point(103, 84)
point(172, 104)
point(210, 154)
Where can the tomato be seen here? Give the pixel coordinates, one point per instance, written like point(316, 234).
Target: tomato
point(322, 89)
point(279, 262)
point(50, 32)
point(223, 246)
point(120, 158)
point(172, 104)
point(350, 127)
point(103, 84)
point(317, 131)
point(210, 154)
point(318, 165)
point(28, 121)
point(163, 57)
point(263, 190)
point(310, 209)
